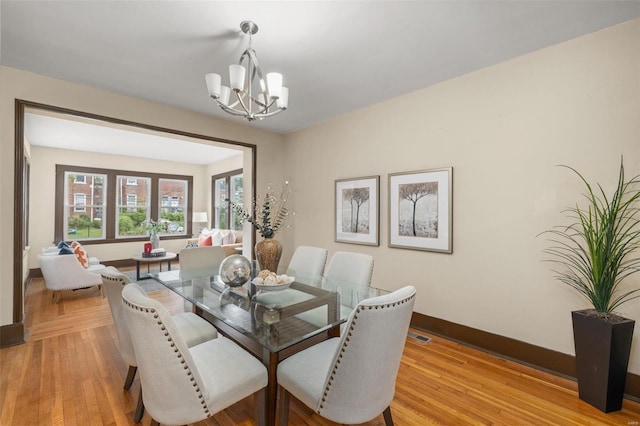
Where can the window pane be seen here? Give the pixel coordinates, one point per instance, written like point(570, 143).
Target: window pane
point(133, 206)
point(173, 205)
point(237, 196)
point(85, 197)
point(221, 206)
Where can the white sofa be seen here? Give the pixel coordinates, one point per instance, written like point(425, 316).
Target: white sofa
point(217, 237)
point(65, 272)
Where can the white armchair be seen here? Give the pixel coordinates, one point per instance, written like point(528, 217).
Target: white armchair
point(65, 272)
point(351, 379)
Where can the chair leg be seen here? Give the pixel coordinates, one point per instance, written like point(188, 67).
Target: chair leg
point(388, 421)
point(137, 416)
point(154, 423)
point(283, 412)
point(131, 374)
point(260, 402)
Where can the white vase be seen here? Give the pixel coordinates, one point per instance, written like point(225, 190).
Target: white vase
point(155, 241)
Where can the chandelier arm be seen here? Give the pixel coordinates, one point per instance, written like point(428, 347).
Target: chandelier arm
point(269, 114)
point(242, 104)
point(231, 110)
point(257, 70)
point(265, 107)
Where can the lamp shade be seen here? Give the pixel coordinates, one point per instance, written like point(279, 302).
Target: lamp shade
point(199, 217)
point(236, 76)
point(283, 100)
point(225, 92)
point(214, 81)
point(274, 83)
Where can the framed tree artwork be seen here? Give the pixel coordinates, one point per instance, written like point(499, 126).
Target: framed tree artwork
point(421, 210)
point(358, 210)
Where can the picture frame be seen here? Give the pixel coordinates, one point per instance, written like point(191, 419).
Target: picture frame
point(357, 203)
point(421, 210)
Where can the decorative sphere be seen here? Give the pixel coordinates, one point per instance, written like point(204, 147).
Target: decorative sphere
point(235, 270)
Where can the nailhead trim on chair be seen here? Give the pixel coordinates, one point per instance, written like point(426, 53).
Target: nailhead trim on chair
point(192, 379)
point(348, 337)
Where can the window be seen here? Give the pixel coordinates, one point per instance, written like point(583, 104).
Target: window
point(227, 186)
point(84, 196)
point(133, 205)
point(173, 210)
point(106, 206)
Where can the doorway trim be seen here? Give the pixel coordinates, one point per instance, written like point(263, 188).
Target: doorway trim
point(14, 333)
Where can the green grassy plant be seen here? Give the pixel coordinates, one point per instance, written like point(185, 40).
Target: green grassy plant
point(597, 251)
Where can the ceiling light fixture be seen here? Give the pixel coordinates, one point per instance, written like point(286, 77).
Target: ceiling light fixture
point(267, 99)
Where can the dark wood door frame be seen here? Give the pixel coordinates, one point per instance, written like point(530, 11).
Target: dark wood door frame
point(14, 333)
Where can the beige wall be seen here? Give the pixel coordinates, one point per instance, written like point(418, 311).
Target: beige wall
point(503, 129)
point(17, 84)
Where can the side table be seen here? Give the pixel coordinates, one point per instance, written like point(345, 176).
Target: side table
point(148, 260)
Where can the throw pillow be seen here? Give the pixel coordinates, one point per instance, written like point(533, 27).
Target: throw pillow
point(230, 238)
point(192, 244)
point(204, 241)
point(81, 253)
point(216, 238)
point(64, 248)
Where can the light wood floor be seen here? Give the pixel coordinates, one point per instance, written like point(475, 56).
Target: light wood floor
point(70, 373)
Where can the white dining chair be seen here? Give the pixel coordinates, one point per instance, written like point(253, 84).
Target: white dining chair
point(307, 264)
point(194, 329)
point(185, 385)
point(351, 379)
point(351, 273)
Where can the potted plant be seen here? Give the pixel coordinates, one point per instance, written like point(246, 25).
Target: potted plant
point(270, 215)
point(596, 252)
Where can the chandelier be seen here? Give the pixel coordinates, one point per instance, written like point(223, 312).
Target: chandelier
point(254, 97)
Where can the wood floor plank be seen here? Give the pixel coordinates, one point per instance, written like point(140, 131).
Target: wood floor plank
point(70, 372)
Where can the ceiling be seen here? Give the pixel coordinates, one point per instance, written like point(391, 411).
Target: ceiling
point(336, 56)
point(95, 136)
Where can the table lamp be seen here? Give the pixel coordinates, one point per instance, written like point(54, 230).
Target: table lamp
point(200, 217)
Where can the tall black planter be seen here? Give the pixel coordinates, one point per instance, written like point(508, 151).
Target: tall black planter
point(602, 357)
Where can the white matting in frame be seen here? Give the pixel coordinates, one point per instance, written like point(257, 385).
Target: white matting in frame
point(421, 210)
point(357, 210)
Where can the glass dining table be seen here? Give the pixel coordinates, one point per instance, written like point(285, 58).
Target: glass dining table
point(271, 325)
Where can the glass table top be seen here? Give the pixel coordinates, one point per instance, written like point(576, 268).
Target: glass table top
point(274, 319)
